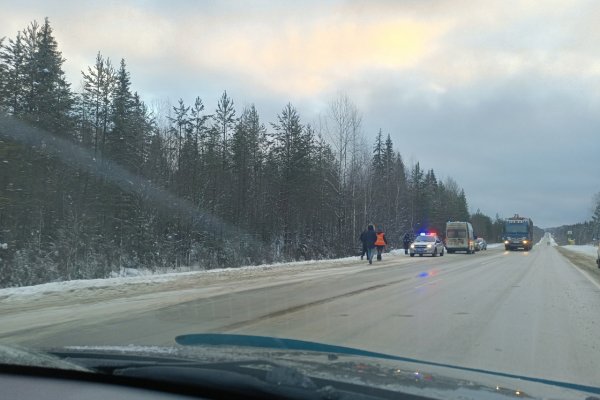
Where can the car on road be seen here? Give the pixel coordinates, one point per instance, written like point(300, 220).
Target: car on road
point(427, 244)
point(480, 244)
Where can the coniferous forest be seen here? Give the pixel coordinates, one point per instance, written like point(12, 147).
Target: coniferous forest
point(95, 180)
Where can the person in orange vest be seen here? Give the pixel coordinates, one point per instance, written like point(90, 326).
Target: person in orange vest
point(380, 243)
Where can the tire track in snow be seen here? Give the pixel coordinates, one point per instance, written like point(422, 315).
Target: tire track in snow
point(302, 307)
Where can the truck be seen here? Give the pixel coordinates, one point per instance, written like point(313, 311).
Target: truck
point(460, 237)
point(517, 233)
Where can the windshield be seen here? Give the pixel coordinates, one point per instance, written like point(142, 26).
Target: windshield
point(516, 227)
point(456, 233)
point(222, 167)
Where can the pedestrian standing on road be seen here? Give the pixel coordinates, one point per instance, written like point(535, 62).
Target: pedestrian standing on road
point(406, 240)
point(371, 238)
point(363, 240)
point(380, 243)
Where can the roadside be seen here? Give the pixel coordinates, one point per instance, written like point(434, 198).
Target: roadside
point(109, 288)
point(59, 305)
point(582, 260)
point(127, 293)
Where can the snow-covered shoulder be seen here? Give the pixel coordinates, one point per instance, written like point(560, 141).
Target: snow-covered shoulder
point(129, 276)
point(585, 249)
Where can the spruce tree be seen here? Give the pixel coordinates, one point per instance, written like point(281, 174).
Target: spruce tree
point(98, 90)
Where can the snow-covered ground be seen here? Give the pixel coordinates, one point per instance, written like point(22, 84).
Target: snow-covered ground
point(146, 277)
point(139, 277)
point(585, 249)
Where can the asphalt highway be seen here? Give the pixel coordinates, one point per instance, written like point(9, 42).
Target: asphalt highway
point(529, 313)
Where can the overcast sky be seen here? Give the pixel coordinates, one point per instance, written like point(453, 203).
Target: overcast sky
point(502, 96)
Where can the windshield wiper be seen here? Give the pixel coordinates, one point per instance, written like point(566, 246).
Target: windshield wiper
point(256, 378)
point(208, 339)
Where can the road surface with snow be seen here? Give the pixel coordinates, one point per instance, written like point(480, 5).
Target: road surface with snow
point(587, 249)
point(530, 313)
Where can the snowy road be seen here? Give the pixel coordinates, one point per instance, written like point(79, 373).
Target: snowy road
point(530, 313)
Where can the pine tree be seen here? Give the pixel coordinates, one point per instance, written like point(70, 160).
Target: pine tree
point(462, 207)
point(377, 207)
point(291, 149)
point(219, 138)
point(378, 156)
point(12, 59)
point(35, 90)
point(247, 163)
point(120, 140)
point(401, 197)
point(98, 89)
point(53, 96)
point(224, 122)
point(180, 127)
point(388, 185)
point(416, 183)
point(324, 222)
point(3, 80)
point(123, 143)
point(198, 134)
point(431, 204)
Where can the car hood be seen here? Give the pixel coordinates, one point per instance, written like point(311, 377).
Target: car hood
point(313, 362)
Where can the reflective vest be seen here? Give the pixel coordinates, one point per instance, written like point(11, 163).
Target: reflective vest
point(380, 240)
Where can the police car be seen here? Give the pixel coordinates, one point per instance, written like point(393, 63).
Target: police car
point(427, 243)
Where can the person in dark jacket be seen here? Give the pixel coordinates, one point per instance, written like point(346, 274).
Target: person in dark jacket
point(371, 238)
point(363, 240)
point(406, 241)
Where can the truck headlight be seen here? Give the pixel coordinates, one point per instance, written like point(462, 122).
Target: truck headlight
point(524, 241)
point(428, 246)
point(412, 246)
point(506, 242)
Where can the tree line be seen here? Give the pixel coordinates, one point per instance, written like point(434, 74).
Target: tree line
point(97, 180)
point(587, 232)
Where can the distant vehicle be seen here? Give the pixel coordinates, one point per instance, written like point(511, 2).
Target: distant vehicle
point(481, 244)
point(460, 237)
point(598, 256)
point(427, 244)
point(570, 238)
point(518, 233)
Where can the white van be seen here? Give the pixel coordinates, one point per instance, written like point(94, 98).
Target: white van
point(460, 237)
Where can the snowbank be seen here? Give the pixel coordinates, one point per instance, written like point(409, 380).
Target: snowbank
point(140, 276)
point(585, 249)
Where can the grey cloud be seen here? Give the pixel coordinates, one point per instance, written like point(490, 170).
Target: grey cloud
point(528, 144)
